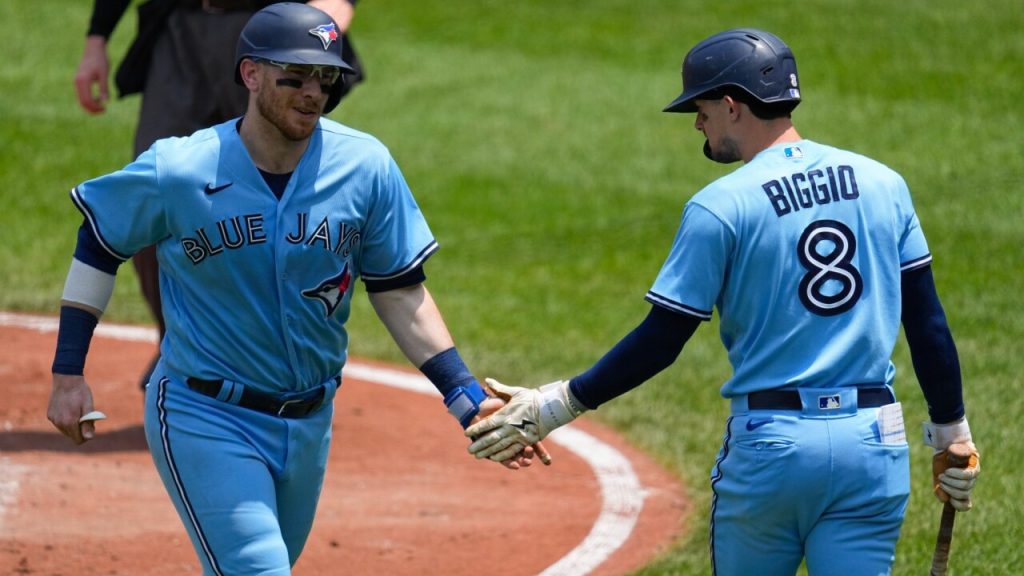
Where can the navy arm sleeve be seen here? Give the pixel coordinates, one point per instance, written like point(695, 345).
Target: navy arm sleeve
point(90, 251)
point(932, 349)
point(105, 16)
point(650, 348)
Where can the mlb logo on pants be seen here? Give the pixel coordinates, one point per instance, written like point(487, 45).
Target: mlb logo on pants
point(830, 402)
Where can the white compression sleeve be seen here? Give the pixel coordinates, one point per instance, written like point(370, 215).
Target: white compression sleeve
point(87, 285)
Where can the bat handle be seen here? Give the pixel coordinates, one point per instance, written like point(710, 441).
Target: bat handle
point(940, 560)
point(957, 456)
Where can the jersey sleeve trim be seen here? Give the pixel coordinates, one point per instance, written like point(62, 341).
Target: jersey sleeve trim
point(674, 306)
point(416, 262)
point(916, 264)
point(91, 219)
point(410, 278)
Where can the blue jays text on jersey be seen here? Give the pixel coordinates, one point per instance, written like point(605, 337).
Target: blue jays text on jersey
point(238, 231)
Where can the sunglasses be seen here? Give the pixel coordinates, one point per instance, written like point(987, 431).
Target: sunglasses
point(326, 74)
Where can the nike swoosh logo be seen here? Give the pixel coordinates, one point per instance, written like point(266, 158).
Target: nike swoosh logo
point(211, 189)
point(755, 424)
point(522, 425)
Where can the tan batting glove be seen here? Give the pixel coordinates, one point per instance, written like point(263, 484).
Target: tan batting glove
point(529, 416)
point(951, 484)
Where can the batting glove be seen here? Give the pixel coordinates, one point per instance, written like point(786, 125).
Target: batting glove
point(950, 484)
point(528, 417)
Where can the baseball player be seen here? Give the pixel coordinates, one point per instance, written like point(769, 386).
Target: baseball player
point(182, 62)
point(263, 225)
point(813, 256)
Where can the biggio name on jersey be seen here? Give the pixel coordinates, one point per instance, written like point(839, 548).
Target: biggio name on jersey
point(800, 190)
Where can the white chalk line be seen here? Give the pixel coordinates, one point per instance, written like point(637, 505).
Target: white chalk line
point(622, 495)
point(10, 480)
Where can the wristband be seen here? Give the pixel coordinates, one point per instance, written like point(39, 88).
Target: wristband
point(941, 436)
point(446, 371)
point(73, 338)
point(463, 402)
point(558, 406)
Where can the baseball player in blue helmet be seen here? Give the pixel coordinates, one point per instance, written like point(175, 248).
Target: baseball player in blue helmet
point(263, 225)
point(813, 257)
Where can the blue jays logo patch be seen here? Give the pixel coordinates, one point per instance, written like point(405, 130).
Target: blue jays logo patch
point(327, 33)
point(332, 291)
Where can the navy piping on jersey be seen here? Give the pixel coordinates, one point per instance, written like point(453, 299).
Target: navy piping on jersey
point(179, 487)
point(915, 264)
point(660, 300)
point(84, 209)
point(410, 278)
point(714, 495)
point(416, 262)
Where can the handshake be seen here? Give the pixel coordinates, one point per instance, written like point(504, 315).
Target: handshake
point(512, 434)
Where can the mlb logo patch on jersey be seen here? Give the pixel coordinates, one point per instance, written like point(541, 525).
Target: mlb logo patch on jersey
point(830, 402)
point(793, 152)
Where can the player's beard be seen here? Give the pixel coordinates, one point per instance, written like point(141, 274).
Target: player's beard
point(726, 152)
point(277, 108)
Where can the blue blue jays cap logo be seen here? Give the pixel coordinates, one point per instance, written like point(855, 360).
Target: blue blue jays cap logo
point(332, 291)
point(327, 33)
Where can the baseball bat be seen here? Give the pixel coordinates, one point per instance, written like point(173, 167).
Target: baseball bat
point(957, 456)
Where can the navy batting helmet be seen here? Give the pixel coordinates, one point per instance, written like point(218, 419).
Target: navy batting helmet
point(293, 33)
point(756, 61)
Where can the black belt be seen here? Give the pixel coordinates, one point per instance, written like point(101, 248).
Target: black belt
point(790, 399)
point(295, 405)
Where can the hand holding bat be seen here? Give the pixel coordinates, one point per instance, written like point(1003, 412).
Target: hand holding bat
point(958, 457)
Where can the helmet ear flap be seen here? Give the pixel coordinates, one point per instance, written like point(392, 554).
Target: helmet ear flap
point(338, 90)
point(348, 80)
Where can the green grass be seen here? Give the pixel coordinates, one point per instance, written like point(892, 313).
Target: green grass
point(531, 135)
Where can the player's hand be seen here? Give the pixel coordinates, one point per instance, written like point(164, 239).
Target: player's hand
point(525, 456)
point(529, 416)
point(954, 485)
point(341, 11)
point(951, 484)
point(92, 76)
point(70, 399)
point(538, 447)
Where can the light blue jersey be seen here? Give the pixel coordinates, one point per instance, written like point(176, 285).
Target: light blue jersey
point(801, 252)
point(236, 260)
point(256, 292)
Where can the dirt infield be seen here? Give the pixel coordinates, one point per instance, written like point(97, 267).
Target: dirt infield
point(389, 506)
